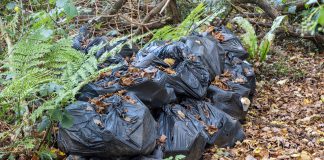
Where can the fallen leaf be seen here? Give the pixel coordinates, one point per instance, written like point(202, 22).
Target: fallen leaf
point(129, 99)
point(127, 119)
point(98, 122)
point(163, 138)
point(219, 36)
point(170, 71)
point(220, 84)
point(304, 155)
point(211, 129)
point(169, 61)
point(126, 81)
point(282, 82)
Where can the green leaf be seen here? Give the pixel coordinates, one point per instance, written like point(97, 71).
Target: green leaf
point(265, 46)
point(44, 124)
point(276, 23)
point(249, 38)
point(321, 17)
point(70, 10)
point(67, 120)
point(61, 3)
point(56, 115)
point(180, 157)
point(269, 37)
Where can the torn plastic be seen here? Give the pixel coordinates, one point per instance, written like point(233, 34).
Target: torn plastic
point(221, 129)
point(126, 128)
point(182, 134)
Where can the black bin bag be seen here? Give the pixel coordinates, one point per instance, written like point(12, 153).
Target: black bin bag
point(208, 51)
point(231, 44)
point(242, 71)
point(222, 129)
point(184, 134)
point(191, 79)
point(126, 129)
point(227, 101)
point(150, 90)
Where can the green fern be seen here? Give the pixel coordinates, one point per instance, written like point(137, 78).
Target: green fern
point(269, 37)
point(249, 38)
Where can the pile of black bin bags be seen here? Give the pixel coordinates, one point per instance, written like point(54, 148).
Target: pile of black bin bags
point(162, 103)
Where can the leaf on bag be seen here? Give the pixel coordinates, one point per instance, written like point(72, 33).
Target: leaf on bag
point(239, 80)
point(170, 71)
point(181, 114)
point(210, 29)
point(133, 70)
point(110, 83)
point(127, 119)
point(220, 84)
point(163, 138)
point(126, 81)
point(117, 74)
point(227, 74)
point(98, 102)
point(247, 71)
point(104, 74)
point(129, 99)
point(211, 129)
point(98, 122)
point(219, 36)
point(169, 61)
point(121, 92)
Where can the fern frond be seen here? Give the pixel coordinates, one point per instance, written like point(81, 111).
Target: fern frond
point(269, 37)
point(249, 38)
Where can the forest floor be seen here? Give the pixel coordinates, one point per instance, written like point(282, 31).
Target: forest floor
point(286, 118)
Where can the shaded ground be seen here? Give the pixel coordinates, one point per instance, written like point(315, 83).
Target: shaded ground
point(286, 119)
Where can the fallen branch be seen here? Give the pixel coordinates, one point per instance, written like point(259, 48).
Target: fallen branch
point(151, 14)
point(263, 4)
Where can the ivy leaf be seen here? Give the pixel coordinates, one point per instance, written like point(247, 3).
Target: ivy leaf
point(67, 120)
point(70, 10)
point(44, 124)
